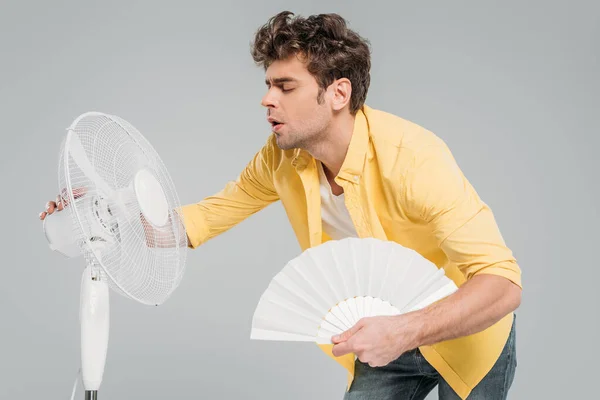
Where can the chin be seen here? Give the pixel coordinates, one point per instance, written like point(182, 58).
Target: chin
point(283, 144)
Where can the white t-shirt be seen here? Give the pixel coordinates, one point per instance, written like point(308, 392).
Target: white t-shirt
point(337, 223)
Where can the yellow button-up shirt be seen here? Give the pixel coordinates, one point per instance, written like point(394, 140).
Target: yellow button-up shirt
point(401, 183)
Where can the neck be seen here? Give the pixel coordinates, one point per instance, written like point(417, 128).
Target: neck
point(332, 147)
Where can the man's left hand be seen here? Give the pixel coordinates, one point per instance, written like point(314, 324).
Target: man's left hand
point(378, 340)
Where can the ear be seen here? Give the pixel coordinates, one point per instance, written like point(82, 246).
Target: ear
point(341, 92)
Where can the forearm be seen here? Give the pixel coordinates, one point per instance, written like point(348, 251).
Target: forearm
point(476, 305)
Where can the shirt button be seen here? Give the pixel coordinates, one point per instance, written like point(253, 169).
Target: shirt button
point(355, 178)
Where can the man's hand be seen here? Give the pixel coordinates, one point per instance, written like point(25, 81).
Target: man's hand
point(378, 340)
point(61, 201)
point(161, 237)
point(477, 304)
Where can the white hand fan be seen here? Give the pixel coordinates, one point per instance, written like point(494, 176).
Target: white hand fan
point(328, 288)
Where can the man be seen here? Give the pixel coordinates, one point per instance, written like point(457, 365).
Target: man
point(341, 168)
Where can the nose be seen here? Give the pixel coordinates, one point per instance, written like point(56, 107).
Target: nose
point(269, 99)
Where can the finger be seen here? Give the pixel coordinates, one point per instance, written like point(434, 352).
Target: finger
point(351, 345)
point(43, 215)
point(59, 203)
point(349, 333)
point(78, 192)
point(341, 349)
point(50, 206)
point(63, 196)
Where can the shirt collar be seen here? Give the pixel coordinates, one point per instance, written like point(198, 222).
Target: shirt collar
point(354, 161)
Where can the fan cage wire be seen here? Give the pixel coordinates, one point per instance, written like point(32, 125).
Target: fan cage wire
point(114, 237)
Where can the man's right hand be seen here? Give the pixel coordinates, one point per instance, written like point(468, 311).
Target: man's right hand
point(60, 202)
point(162, 237)
point(155, 237)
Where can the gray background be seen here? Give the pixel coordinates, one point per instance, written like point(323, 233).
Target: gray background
point(512, 88)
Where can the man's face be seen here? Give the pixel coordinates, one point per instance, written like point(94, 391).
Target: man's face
point(292, 101)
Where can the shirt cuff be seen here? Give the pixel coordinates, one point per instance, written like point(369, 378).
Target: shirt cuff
point(192, 217)
point(505, 270)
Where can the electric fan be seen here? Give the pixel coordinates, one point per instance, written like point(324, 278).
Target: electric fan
point(328, 288)
point(121, 214)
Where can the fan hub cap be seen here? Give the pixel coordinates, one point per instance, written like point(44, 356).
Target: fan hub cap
point(151, 198)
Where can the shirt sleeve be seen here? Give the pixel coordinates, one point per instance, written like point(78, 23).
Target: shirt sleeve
point(249, 193)
point(437, 193)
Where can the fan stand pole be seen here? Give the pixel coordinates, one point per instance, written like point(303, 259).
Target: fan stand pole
point(94, 320)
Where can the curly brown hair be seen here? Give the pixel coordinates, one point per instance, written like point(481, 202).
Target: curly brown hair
point(332, 51)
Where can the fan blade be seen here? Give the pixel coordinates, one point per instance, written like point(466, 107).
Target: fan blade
point(77, 151)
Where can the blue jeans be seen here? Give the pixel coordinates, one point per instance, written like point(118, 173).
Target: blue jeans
point(411, 377)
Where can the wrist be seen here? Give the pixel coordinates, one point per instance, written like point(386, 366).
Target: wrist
point(412, 327)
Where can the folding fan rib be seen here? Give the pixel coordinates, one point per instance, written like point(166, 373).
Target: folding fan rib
point(322, 260)
point(276, 317)
point(284, 285)
point(435, 290)
point(296, 283)
point(425, 287)
point(384, 282)
point(313, 283)
point(447, 289)
point(418, 274)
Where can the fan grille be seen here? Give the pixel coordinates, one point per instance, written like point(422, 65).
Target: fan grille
point(139, 260)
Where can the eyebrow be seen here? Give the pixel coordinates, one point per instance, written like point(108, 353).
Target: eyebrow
point(281, 80)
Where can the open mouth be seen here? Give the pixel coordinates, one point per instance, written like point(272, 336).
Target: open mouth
point(276, 125)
